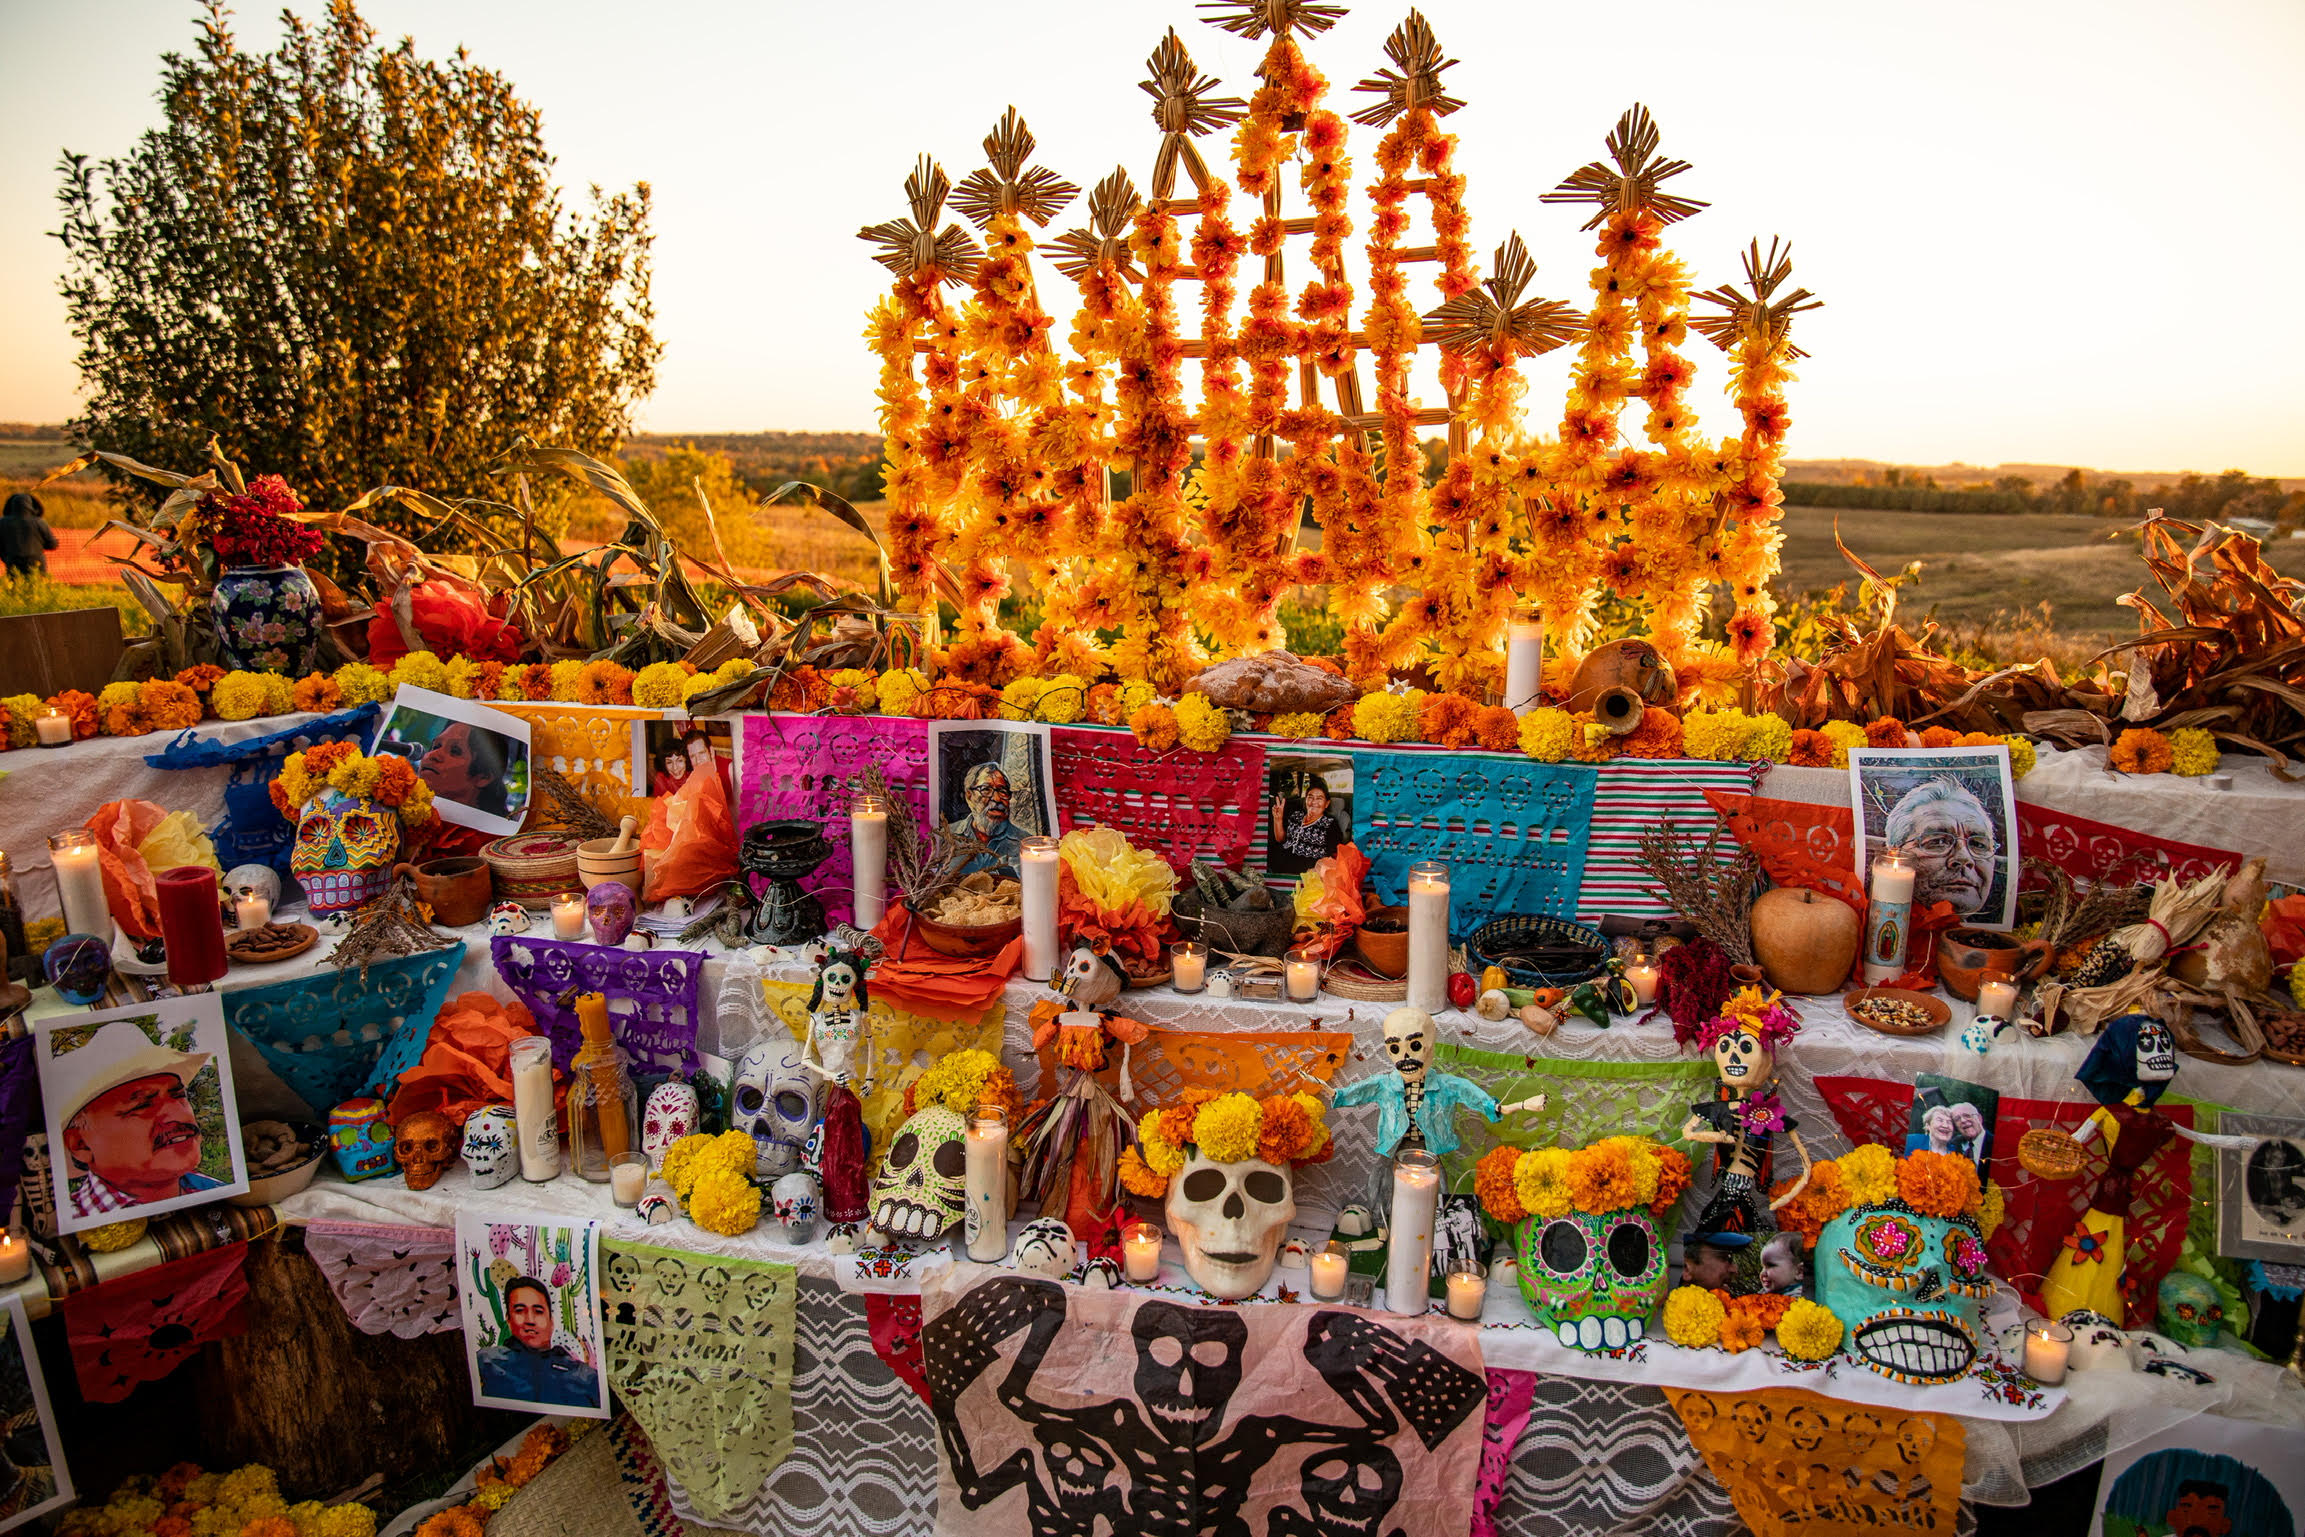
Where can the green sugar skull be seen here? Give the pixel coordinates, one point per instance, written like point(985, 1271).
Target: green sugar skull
point(1593, 1280)
point(2191, 1312)
point(1907, 1286)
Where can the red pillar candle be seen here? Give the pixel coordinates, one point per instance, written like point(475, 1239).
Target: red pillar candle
point(191, 924)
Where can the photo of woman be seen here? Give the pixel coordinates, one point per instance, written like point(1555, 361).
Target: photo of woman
point(466, 765)
point(475, 759)
point(1308, 811)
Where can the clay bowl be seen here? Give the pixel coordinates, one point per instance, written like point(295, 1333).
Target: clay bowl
point(1386, 954)
point(973, 941)
point(1966, 957)
point(457, 888)
point(594, 863)
point(1939, 1011)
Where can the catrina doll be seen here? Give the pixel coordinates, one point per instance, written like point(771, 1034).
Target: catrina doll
point(1745, 1115)
point(838, 1049)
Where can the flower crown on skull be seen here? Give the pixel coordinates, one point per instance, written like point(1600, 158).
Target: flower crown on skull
point(1752, 1012)
point(1943, 1185)
point(1613, 1175)
point(386, 778)
point(1227, 1128)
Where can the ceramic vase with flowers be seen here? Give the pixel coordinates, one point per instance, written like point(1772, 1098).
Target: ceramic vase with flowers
point(265, 609)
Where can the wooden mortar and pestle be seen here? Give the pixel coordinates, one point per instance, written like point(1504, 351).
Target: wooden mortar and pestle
point(611, 859)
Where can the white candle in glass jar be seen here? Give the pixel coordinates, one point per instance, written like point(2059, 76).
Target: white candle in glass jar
point(1524, 659)
point(1888, 918)
point(1302, 972)
point(1409, 1250)
point(1642, 974)
point(2048, 1347)
point(1188, 966)
point(1036, 879)
point(1140, 1249)
point(251, 912)
point(1468, 1290)
point(1998, 997)
point(1329, 1268)
point(868, 857)
point(568, 915)
point(15, 1256)
point(534, 1126)
point(54, 728)
point(984, 1184)
point(1429, 936)
point(80, 883)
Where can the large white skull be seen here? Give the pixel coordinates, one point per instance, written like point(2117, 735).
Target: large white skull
point(919, 1191)
point(669, 1115)
point(1044, 1247)
point(489, 1146)
point(794, 1201)
point(1229, 1219)
point(253, 881)
point(775, 1100)
point(1409, 1041)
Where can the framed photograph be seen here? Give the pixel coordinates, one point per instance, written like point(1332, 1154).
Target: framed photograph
point(1953, 810)
point(2204, 1477)
point(33, 1478)
point(476, 759)
point(671, 750)
point(530, 1289)
point(991, 779)
point(1308, 812)
point(141, 1115)
point(1953, 1116)
point(2261, 1192)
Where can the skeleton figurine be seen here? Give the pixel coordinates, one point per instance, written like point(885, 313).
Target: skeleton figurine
point(1744, 1117)
point(426, 1144)
point(1072, 1142)
point(839, 1014)
point(1417, 1104)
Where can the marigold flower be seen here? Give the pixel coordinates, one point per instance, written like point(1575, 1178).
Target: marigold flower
point(359, 683)
point(725, 1202)
point(1385, 717)
point(1672, 1179)
point(1155, 726)
point(1541, 1182)
point(1493, 1184)
point(1869, 1173)
point(168, 706)
point(1809, 1332)
point(456, 1521)
point(2192, 752)
point(201, 677)
point(1545, 734)
point(2021, 755)
point(1138, 1178)
point(1202, 723)
point(1811, 749)
point(604, 683)
point(1740, 1331)
point(1657, 736)
point(1693, 1317)
point(1887, 731)
point(238, 696)
point(1227, 1128)
point(660, 686)
point(420, 669)
point(80, 709)
point(2140, 750)
point(1938, 1184)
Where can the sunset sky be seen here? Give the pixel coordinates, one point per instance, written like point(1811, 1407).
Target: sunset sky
point(2046, 232)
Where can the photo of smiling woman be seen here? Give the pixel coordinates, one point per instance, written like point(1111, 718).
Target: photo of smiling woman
point(1953, 811)
point(140, 1108)
point(474, 758)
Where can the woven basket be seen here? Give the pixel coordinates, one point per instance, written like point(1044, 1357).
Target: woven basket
point(1508, 933)
point(1351, 979)
point(1250, 933)
point(532, 868)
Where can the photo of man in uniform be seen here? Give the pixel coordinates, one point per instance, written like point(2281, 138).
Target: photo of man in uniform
point(131, 1132)
point(528, 1366)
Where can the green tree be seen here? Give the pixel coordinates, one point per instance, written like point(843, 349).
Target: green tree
point(350, 264)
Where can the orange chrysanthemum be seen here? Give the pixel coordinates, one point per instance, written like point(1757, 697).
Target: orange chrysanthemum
point(604, 683)
point(394, 779)
point(1888, 731)
point(1493, 1184)
point(1286, 1133)
point(317, 693)
point(1811, 749)
point(456, 1521)
point(1937, 1184)
point(1155, 726)
point(1657, 736)
point(1497, 729)
point(2140, 750)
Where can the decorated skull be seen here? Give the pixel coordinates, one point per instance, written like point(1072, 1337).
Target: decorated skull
point(2191, 1312)
point(425, 1144)
point(611, 906)
point(1907, 1285)
point(918, 1193)
point(344, 850)
point(1593, 1280)
point(507, 918)
point(774, 1099)
point(1229, 1219)
point(1044, 1247)
point(2099, 1344)
point(657, 1204)
point(360, 1139)
point(490, 1152)
point(1409, 1041)
point(260, 881)
point(795, 1201)
point(669, 1115)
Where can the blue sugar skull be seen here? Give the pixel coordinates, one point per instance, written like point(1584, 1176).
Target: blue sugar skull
point(1593, 1281)
point(78, 966)
point(1906, 1287)
point(361, 1139)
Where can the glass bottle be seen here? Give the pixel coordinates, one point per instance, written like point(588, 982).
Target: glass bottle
point(602, 1104)
point(19, 963)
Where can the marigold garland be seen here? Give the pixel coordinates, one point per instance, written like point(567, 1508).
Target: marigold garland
point(1283, 1129)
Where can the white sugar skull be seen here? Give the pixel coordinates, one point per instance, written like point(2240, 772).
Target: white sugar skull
point(507, 918)
point(658, 1204)
point(918, 1193)
point(1044, 1247)
point(774, 1099)
point(669, 1115)
point(2099, 1344)
point(1409, 1042)
point(1100, 1273)
point(253, 881)
point(489, 1149)
point(1229, 1219)
point(794, 1201)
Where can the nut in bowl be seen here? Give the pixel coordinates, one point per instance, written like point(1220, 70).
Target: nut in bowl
point(975, 918)
point(1896, 1010)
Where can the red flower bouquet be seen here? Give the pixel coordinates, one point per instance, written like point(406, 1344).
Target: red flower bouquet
point(255, 529)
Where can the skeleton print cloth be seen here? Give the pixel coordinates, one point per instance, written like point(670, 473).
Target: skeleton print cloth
point(1061, 1411)
point(389, 1280)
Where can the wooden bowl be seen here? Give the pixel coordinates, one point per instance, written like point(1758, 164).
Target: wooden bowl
point(1385, 954)
point(972, 941)
point(1939, 1011)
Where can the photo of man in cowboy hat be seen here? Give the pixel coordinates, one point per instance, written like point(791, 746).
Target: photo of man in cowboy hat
point(125, 1113)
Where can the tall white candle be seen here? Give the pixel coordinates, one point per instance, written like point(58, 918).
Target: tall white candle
point(1888, 918)
point(80, 883)
point(1429, 936)
point(984, 1186)
point(1140, 1249)
point(1409, 1251)
point(251, 912)
point(54, 728)
point(1998, 997)
point(568, 915)
point(1036, 871)
point(533, 1125)
point(1524, 659)
point(868, 857)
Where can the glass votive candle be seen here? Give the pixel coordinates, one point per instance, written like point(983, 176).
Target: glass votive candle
point(1302, 973)
point(1140, 1247)
point(568, 915)
point(628, 1178)
point(2048, 1350)
point(1468, 1290)
point(1330, 1264)
point(1188, 966)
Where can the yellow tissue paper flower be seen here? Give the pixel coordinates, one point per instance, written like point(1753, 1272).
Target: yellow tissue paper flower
point(1807, 1332)
point(1111, 872)
point(1693, 1317)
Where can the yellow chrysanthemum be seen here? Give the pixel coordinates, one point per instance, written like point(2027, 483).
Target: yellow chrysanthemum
point(1226, 1128)
point(421, 669)
point(360, 683)
point(1386, 718)
point(1545, 734)
point(238, 696)
point(245, 1484)
point(565, 677)
point(700, 683)
point(305, 1516)
point(722, 1201)
point(1019, 696)
point(1714, 734)
point(1162, 1156)
point(1541, 1182)
point(1202, 724)
point(1693, 1317)
point(956, 1081)
point(660, 686)
point(1870, 1173)
point(2192, 752)
point(1808, 1331)
point(279, 693)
